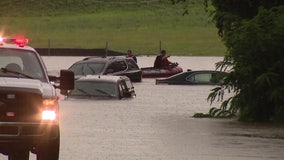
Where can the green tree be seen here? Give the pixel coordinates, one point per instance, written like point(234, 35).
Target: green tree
point(253, 32)
point(256, 60)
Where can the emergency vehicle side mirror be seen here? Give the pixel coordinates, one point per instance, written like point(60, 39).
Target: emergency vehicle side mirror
point(66, 80)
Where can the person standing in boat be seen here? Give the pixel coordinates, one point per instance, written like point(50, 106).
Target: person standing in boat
point(130, 54)
point(162, 61)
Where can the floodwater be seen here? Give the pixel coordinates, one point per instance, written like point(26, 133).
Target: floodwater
point(158, 124)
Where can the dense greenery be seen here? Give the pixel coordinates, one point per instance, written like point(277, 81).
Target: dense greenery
point(122, 25)
point(253, 32)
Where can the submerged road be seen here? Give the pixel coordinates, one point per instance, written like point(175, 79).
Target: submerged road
point(158, 125)
point(154, 127)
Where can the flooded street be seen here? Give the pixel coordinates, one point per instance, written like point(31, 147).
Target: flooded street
point(158, 124)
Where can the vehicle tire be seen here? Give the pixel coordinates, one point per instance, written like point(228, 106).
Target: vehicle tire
point(19, 155)
point(49, 151)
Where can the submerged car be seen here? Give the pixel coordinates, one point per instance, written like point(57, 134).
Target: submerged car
point(102, 87)
point(117, 66)
point(200, 77)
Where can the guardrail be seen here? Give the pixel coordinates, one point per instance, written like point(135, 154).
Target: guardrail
point(77, 52)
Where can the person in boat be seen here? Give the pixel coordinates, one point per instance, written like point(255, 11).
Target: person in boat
point(130, 54)
point(162, 61)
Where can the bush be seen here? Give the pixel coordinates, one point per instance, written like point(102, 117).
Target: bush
point(256, 59)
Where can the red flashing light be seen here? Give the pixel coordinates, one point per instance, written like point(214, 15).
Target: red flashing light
point(10, 114)
point(21, 41)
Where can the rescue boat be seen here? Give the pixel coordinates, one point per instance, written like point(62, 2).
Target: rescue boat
point(151, 72)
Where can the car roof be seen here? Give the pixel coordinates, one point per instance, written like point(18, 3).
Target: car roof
point(190, 72)
point(103, 78)
point(102, 59)
point(198, 71)
point(14, 46)
point(204, 71)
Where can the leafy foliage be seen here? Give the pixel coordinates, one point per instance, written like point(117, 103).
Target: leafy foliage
point(253, 32)
point(215, 113)
point(254, 59)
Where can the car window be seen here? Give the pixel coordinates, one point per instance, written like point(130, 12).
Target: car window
point(120, 87)
point(87, 68)
point(131, 64)
point(96, 89)
point(117, 66)
point(218, 77)
point(5, 60)
point(77, 69)
point(200, 77)
point(125, 89)
point(23, 61)
point(93, 68)
point(129, 85)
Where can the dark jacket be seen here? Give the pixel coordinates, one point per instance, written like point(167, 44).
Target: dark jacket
point(158, 62)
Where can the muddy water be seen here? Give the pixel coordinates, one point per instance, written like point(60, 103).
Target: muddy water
point(158, 124)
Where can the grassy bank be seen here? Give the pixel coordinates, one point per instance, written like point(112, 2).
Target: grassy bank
point(142, 27)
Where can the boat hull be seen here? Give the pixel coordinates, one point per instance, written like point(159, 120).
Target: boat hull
point(151, 72)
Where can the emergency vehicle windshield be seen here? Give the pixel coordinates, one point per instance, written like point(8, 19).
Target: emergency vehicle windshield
point(20, 63)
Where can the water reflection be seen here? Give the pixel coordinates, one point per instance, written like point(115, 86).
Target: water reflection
point(158, 124)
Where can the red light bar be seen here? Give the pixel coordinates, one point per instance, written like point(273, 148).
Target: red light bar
point(20, 41)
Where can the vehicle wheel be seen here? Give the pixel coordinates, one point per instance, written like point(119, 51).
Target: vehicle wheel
point(19, 155)
point(49, 151)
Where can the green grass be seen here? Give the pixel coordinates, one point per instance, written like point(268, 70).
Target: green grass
point(122, 26)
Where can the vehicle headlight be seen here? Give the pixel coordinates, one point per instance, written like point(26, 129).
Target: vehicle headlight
point(48, 115)
point(49, 109)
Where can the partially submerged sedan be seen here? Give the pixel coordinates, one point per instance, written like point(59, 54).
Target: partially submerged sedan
point(102, 87)
point(200, 77)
